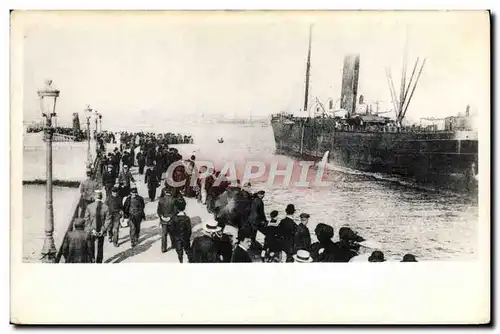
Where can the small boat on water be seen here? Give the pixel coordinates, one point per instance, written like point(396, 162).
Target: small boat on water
point(220, 140)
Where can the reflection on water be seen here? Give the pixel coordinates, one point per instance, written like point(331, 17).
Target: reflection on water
point(400, 219)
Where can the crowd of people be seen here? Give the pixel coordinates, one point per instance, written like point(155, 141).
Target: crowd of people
point(258, 236)
point(126, 139)
point(79, 135)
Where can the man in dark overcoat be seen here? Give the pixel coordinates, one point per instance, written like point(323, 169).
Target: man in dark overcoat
point(181, 231)
point(97, 220)
point(125, 178)
point(288, 228)
point(134, 211)
point(109, 179)
point(115, 205)
point(302, 238)
point(77, 246)
point(240, 254)
point(152, 180)
point(141, 161)
point(166, 210)
point(257, 217)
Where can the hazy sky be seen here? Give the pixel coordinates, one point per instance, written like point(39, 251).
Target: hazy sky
point(136, 68)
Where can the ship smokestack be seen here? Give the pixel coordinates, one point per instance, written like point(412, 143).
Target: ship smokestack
point(350, 76)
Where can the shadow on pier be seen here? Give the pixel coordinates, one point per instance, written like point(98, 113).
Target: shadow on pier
point(149, 236)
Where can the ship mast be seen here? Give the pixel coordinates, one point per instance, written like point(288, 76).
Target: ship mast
point(308, 70)
point(403, 74)
point(401, 105)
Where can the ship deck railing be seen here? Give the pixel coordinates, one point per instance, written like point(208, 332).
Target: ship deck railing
point(373, 129)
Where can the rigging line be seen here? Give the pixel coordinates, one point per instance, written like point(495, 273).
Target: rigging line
point(398, 111)
point(308, 70)
point(414, 86)
point(390, 90)
point(407, 89)
point(403, 74)
point(396, 101)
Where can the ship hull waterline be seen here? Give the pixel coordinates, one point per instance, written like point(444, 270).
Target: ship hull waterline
point(436, 159)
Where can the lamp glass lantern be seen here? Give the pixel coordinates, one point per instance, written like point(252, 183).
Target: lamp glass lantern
point(48, 98)
point(88, 109)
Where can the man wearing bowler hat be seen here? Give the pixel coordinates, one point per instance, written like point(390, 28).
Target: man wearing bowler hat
point(288, 228)
point(409, 258)
point(181, 231)
point(133, 210)
point(376, 256)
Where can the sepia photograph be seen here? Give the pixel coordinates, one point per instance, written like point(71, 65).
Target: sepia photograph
point(278, 138)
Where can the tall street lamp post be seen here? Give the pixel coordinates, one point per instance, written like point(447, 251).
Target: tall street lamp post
point(97, 114)
point(96, 120)
point(88, 110)
point(48, 97)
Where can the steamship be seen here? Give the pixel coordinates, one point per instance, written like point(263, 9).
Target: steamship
point(360, 139)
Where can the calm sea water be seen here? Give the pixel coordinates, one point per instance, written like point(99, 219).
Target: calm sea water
point(398, 219)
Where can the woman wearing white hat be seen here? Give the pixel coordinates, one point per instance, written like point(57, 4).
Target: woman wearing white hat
point(302, 256)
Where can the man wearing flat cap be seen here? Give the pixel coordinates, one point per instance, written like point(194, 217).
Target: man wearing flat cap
point(77, 246)
point(257, 217)
point(125, 179)
point(302, 238)
point(108, 179)
point(272, 241)
point(152, 180)
point(115, 205)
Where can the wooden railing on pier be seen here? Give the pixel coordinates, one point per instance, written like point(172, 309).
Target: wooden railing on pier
point(75, 214)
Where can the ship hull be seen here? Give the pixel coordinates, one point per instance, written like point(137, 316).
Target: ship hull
point(424, 158)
